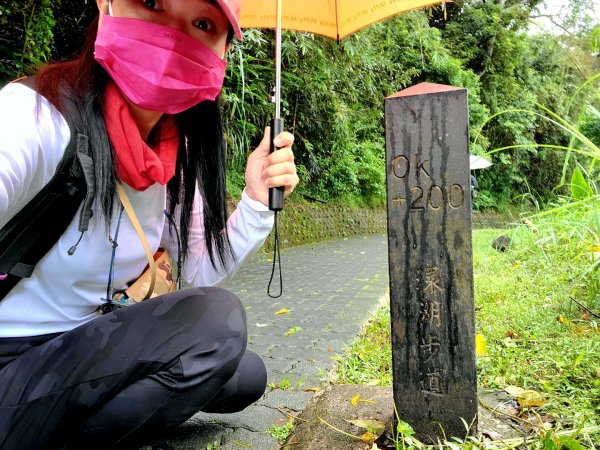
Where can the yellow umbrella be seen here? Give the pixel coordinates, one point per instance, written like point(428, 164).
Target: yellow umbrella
point(332, 18)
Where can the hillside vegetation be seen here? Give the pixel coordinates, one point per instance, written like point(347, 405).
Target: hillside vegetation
point(333, 92)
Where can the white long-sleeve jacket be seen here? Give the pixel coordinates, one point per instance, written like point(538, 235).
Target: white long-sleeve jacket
point(64, 291)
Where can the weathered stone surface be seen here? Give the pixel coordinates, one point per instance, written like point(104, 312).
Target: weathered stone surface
point(494, 417)
point(333, 405)
point(430, 260)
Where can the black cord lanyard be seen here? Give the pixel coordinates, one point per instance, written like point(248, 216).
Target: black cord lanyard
point(109, 305)
point(276, 260)
point(111, 270)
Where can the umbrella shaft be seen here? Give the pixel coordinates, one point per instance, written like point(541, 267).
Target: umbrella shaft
point(278, 62)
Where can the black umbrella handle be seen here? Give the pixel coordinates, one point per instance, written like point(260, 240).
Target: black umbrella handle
point(275, 193)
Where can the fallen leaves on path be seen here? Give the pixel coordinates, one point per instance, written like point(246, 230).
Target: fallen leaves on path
point(374, 426)
point(369, 437)
point(292, 331)
point(312, 389)
point(527, 398)
point(354, 401)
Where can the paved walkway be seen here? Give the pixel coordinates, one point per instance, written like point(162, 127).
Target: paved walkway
point(329, 290)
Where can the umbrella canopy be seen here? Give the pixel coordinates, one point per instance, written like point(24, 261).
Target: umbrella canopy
point(332, 18)
point(478, 162)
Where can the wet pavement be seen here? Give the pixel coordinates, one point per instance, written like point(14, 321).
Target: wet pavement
point(329, 290)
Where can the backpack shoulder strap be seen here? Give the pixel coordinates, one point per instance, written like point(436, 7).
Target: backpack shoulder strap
point(34, 230)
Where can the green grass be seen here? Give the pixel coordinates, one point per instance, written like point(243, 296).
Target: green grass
point(280, 432)
point(537, 337)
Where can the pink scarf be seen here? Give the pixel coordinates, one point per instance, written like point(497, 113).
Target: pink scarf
point(138, 164)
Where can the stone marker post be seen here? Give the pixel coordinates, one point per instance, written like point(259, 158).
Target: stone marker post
point(430, 260)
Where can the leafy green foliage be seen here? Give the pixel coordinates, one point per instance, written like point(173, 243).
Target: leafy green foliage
point(536, 337)
point(73, 20)
point(580, 188)
point(25, 36)
point(369, 359)
point(333, 99)
point(516, 70)
point(280, 432)
point(590, 124)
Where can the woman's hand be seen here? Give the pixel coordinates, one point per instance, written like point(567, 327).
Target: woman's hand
point(265, 170)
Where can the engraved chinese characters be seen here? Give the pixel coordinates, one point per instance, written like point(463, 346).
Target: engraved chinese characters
point(432, 379)
point(430, 260)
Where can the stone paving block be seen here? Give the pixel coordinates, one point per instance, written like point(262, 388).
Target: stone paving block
point(279, 365)
point(288, 352)
point(310, 371)
point(256, 418)
point(295, 400)
point(311, 352)
point(266, 352)
point(277, 332)
point(240, 439)
point(192, 435)
point(263, 339)
point(307, 317)
point(280, 352)
point(300, 339)
point(332, 346)
point(278, 380)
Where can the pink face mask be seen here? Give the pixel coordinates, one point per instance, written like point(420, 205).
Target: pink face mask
point(157, 67)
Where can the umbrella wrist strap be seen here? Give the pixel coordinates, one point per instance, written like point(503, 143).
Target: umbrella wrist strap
point(276, 263)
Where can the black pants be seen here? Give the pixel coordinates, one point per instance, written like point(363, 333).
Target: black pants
point(121, 378)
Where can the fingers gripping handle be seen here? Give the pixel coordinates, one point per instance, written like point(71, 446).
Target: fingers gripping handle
point(275, 193)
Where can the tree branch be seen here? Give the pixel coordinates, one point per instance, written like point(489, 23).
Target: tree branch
point(584, 307)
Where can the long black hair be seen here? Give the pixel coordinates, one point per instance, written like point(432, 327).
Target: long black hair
point(77, 87)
